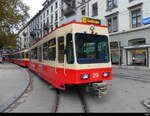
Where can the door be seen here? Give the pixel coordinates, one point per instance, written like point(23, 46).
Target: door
point(61, 60)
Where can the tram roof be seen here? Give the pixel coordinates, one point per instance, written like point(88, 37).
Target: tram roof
point(64, 25)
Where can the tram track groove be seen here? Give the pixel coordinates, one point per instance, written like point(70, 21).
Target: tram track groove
point(83, 102)
point(57, 103)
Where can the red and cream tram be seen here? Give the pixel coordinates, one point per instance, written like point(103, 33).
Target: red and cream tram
point(20, 58)
point(73, 54)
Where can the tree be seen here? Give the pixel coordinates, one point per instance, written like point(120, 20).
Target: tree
point(13, 14)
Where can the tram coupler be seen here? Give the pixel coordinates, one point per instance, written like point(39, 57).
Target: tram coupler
point(98, 89)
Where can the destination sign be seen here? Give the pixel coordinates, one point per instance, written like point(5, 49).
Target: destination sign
point(91, 21)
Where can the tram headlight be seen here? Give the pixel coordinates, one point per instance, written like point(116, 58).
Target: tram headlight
point(106, 74)
point(85, 76)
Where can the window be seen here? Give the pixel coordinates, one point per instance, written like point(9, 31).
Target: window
point(137, 57)
point(56, 5)
point(27, 55)
point(51, 9)
point(83, 11)
point(62, 12)
point(111, 4)
point(61, 49)
point(47, 12)
point(112, 22)
point(51, 18)
point(52, 49)
point(91, 48)
point(34, 53)
point(56, 16)
point(94, 9)
point(131, 0)
point(49, 50)
point(45, 51)
point(40, 54)
point(136, 17)
point(69, 49)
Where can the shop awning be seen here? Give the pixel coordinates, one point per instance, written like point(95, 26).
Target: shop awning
point(136, 46)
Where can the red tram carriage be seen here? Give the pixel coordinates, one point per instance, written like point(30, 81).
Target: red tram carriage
point(73, 54)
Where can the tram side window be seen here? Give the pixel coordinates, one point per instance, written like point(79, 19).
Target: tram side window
point(26, 55)
point(52, 49)
point(61, 49)
point(22, 55)
point(17, 56)
point(45, 51)
point(34, 53)
point(69, 49)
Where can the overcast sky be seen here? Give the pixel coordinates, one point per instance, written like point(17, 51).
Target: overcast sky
point(35, 6)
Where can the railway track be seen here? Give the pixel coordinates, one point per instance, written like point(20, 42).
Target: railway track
point(57, 102)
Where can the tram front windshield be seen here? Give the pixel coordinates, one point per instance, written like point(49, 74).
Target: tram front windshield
point(92, 48)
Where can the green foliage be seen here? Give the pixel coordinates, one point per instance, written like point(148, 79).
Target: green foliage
point(13, 14)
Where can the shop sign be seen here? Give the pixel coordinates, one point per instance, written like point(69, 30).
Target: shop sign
point(146, 21)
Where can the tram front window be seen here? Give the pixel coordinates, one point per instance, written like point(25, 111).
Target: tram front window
point(92, 48)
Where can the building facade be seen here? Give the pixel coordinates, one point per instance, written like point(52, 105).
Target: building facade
point(128, 22)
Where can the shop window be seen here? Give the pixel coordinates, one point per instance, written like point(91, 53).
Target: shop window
point(116, 56)
point(115, 45)
point(137, 57)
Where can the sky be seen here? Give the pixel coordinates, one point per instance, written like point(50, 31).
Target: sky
point(35, 6)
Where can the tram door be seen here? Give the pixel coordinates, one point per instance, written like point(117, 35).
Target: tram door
point(61, 61)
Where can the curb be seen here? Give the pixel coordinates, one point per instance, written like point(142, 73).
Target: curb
point(10, 101)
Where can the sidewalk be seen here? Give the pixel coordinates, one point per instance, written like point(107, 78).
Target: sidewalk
point(13, 82)
point(131, 67)
point(135, 73)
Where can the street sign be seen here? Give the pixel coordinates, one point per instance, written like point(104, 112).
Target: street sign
point(146, 21)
